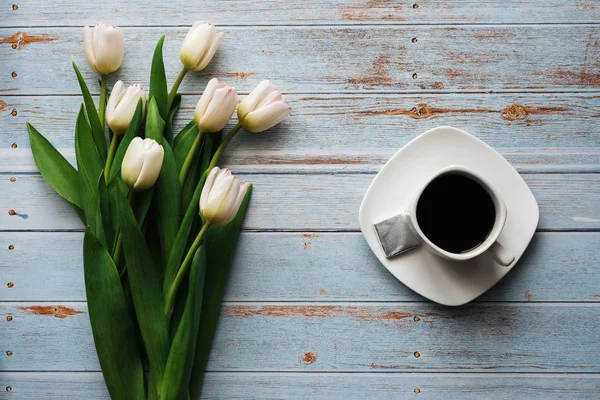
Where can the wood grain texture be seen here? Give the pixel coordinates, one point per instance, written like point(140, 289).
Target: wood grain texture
point(356, 386)
point(325, 337)
point(305, 202)
point(358, 132)
point(299, 12)
point(304, 266)
point(321, 59)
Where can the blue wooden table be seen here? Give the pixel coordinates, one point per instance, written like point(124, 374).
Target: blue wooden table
point(309, 312)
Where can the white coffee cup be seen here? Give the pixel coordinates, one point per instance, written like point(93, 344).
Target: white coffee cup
point(402, 232)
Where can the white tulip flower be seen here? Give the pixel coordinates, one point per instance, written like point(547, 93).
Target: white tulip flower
point(200, 45)
point(104, 47)
point(263, 108)
point(122, 104)
point(215, 107)
point(142, 163)
point(221, 196)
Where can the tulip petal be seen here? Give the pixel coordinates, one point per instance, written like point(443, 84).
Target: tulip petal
point(217, 198)
point(108, 48)
point(121, 106)
point(88, 44)
point(219, 110)
point(210, 180)
point(132, 162)
point(98, 32)
point(130, 95)
point(115, 97)
point(128, 102)
point(220, 188)
point(271, 97)
point(226, 213)
point(208, 56)
point(267, 117)
point(196, 43)
point(197, 23)
point(238, 201)
point(131, 133)
point(152, 163)
point(221, 196)
point(206, 97)
point(251, 101)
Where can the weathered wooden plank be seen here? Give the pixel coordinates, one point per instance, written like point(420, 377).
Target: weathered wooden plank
point(322, 266)
point(537, 132)
point(299, 12)
point(317, 59)
point(359, 386)
point(322, 337)
point(326, 160)
point(305, 202)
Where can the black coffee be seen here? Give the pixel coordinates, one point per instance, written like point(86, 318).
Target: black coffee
point(456, 213)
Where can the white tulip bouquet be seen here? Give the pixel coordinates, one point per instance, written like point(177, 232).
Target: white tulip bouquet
point(161, 219)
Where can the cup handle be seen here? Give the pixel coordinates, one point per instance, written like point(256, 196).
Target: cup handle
point(395, 235)
point(501, 254)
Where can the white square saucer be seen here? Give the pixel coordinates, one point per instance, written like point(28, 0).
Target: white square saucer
point(444, 281)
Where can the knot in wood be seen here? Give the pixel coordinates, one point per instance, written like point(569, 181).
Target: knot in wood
point(514, 112)
point(420, 111)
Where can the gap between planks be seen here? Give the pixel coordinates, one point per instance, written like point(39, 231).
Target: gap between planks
point(375, 303)
point(362, 92)
point(331, 373)
point(347, 303)
point(296, 230)
point(328, 25)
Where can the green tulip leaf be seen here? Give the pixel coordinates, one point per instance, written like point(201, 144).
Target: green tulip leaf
point(113, 188)
point(143, 200)
point(220, 243)
point(189, 186)
point(155, 124)
point(168, 202)
point(182, 133)
point(184, 144)
point(86, 153)
point(181, 239)
point(140, 208)
point(198, 167)
point(89, 168)
point(105, 220)
point(92, 115)
point(132, 131)
point(112, 327)
point(144, 281)
point(56, 170)
point(158, 79)
point(190, 198)
point(174, 108)
point(211, 142)
point(181, 356)
point(91, 201)
point(167, 205)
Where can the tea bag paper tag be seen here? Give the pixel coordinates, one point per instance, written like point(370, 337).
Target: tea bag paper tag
point(395, 235)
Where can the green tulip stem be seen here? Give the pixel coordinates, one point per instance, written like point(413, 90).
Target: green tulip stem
point(190, 157)
point(175, 88)
point(102, 107)
point(119, 245)
point(170, 300)
point(114, 144)
point(223, 145)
